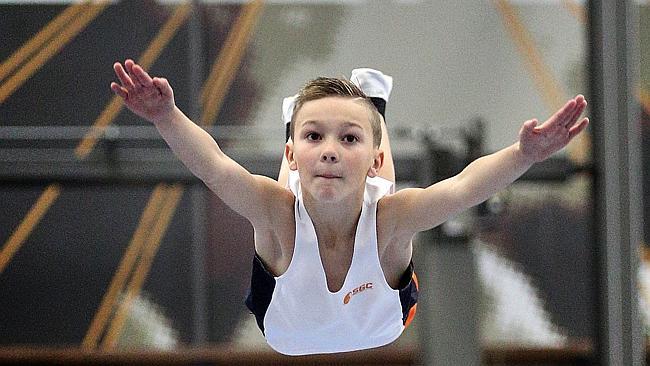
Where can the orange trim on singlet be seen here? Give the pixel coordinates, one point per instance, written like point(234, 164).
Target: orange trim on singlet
point(413, 310)
point(411, 315)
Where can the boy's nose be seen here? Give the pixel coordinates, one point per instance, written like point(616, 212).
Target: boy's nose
point(328, 152)
point(329, 157)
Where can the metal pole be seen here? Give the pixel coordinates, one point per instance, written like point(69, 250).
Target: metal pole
point(198, 194)
point(450, 335)
point(613, 34)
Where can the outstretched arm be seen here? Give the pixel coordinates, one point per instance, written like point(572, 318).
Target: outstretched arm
point(153, 100)
point(422, 209)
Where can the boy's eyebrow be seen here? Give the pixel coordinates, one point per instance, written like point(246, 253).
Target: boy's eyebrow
point(345, 124)
point(352, 124)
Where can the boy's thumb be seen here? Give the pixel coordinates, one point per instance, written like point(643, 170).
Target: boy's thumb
point(528, 128)
point(530, 125)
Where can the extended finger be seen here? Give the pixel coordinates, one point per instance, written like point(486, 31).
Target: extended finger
point(128, 66)
point(122, 75)
point(143, 78)
point(560, 116)
point(578, 128)
point(581, 104)
point(563, 115)
point(119, 90)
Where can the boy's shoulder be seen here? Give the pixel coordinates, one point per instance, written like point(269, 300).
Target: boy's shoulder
point(278, 201)
point(395, 212)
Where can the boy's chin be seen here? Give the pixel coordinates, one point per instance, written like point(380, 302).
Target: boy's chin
point(328, 196)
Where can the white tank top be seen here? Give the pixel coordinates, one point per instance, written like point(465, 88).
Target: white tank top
point(304, 317)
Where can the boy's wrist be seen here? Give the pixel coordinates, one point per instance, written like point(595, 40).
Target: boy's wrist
point(166, 118)
point(521, 156)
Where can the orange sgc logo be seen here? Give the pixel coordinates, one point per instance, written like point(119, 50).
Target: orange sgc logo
point(357, 290)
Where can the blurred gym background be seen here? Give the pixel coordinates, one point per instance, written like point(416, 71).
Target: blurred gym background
point(111, 252)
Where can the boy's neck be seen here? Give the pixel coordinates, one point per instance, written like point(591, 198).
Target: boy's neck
point(338, 219)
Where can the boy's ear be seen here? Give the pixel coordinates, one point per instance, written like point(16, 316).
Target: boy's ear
point(377, 163)
point(288, 154)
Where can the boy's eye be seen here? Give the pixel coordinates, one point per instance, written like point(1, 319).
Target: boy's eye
point(312, 136)
point(350, 138)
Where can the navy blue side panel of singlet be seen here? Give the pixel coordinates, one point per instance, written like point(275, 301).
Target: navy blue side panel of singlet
point(261, 291)
point(408, 292)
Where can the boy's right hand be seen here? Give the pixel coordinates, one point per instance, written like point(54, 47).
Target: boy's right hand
point(149, 98)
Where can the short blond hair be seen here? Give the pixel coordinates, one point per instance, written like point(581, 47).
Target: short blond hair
point(324, 87)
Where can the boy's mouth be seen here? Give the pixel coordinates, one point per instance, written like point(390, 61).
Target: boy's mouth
point(328, 176)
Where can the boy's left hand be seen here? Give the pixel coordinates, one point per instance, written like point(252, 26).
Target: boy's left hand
point(539, 142)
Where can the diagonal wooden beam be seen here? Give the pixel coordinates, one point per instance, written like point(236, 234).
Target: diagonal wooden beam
point(33, 217)
point(39, 39)
point(120, 278)
point(228, 61)
point(166, 33)
point(78, 24)
point(553, 95)
point(150, 249)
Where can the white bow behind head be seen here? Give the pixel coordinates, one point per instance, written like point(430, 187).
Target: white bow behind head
point(288, 104)
point(373, 83)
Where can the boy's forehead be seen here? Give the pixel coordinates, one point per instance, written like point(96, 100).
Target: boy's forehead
point(332, 109)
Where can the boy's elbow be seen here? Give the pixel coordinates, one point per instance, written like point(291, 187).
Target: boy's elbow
point(213, 173)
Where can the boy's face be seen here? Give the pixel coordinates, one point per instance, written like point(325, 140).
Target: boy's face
point(333, 148)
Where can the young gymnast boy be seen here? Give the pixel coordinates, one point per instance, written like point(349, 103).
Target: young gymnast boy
point(332, 267)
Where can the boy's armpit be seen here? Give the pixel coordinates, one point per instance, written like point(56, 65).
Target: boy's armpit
point(275, 226)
